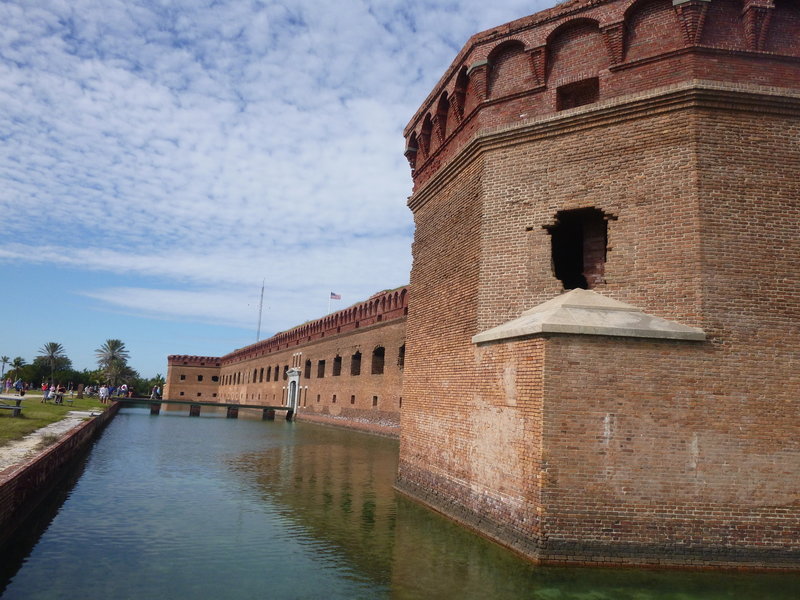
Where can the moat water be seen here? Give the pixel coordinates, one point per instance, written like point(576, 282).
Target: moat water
point(175, 507)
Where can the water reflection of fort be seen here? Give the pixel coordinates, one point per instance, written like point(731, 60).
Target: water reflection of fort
point(340, 493)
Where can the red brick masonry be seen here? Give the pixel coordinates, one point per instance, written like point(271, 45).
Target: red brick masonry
point(675, 126)
point(351, 368)
point(24, 486)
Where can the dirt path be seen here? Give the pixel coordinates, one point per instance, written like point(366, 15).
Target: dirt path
point(20, 450)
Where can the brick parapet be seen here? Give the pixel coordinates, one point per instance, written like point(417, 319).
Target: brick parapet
point(513, 72)
point(382, 307)
point(196, 361)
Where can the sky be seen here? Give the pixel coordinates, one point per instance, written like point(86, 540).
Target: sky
point(159, 160)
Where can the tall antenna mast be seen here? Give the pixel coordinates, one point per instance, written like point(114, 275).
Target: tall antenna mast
point(260, 306)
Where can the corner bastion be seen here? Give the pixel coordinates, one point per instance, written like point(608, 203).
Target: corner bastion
point(646, 153)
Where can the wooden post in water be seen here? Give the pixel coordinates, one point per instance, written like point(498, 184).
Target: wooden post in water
point(155, 409)
point(194, 410)
point(233, 412)
point(268, 414)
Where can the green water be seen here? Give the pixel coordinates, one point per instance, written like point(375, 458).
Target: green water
point(175, 507)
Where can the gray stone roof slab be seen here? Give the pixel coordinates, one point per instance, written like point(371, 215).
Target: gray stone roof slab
point(585, 312)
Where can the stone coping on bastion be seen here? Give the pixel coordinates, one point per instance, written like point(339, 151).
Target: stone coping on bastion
point(585, 312)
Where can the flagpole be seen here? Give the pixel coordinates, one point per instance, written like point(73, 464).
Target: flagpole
point(260, 306)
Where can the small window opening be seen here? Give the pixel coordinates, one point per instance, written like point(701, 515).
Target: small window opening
point(307, 370)
point(183, 377)
point(317, 398)
point(352, 399)
point(355, 364)
point(401, 356)
point(578, 93)
point(334, 398)
point(181, 394)
point(321, 369)
point(215, 378)
point(199, 378)
point(401, 402)
point(374, 401)
point(378, 356)
point(579, 245)
point(337, 366)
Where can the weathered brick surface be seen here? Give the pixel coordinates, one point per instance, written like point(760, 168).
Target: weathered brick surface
point(192, 378)
point(584, 449)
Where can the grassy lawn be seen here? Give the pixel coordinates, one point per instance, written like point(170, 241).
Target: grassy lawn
point(36, 415)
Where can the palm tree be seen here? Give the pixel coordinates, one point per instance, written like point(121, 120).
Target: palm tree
point(112, 357)
point(5, 360)
point(17, 364)
point(52, 352)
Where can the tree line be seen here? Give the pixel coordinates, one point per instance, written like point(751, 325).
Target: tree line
point(52, 365)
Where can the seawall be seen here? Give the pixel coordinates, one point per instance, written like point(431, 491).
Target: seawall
point(23, 487)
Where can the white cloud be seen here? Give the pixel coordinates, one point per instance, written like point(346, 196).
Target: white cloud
point(205, 145)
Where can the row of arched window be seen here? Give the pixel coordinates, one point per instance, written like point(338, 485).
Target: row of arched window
point(269, 374)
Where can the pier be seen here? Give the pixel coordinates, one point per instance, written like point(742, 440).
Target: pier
point(267, 411)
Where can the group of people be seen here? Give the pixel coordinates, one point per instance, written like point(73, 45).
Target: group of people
point(106, 392)
point(55, 392)
point(20, 386)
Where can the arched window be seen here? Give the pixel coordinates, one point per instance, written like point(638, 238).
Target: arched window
point(441, 116)
point(401, 357)
point(509, 69)
point(307, 370)
point(425, 135)
point(355, 364)
point(337, 366)
point(378, 356)
point(460, 91)
point(321, 369)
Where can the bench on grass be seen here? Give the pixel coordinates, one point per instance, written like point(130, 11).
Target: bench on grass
point(16, 408)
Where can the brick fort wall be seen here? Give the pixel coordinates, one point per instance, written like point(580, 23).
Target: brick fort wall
point(647, 151)
point(351, 367)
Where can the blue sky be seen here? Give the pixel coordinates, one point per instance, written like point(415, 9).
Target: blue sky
point(160, 159)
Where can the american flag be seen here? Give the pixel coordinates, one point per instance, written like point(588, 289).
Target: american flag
point(336, 296)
